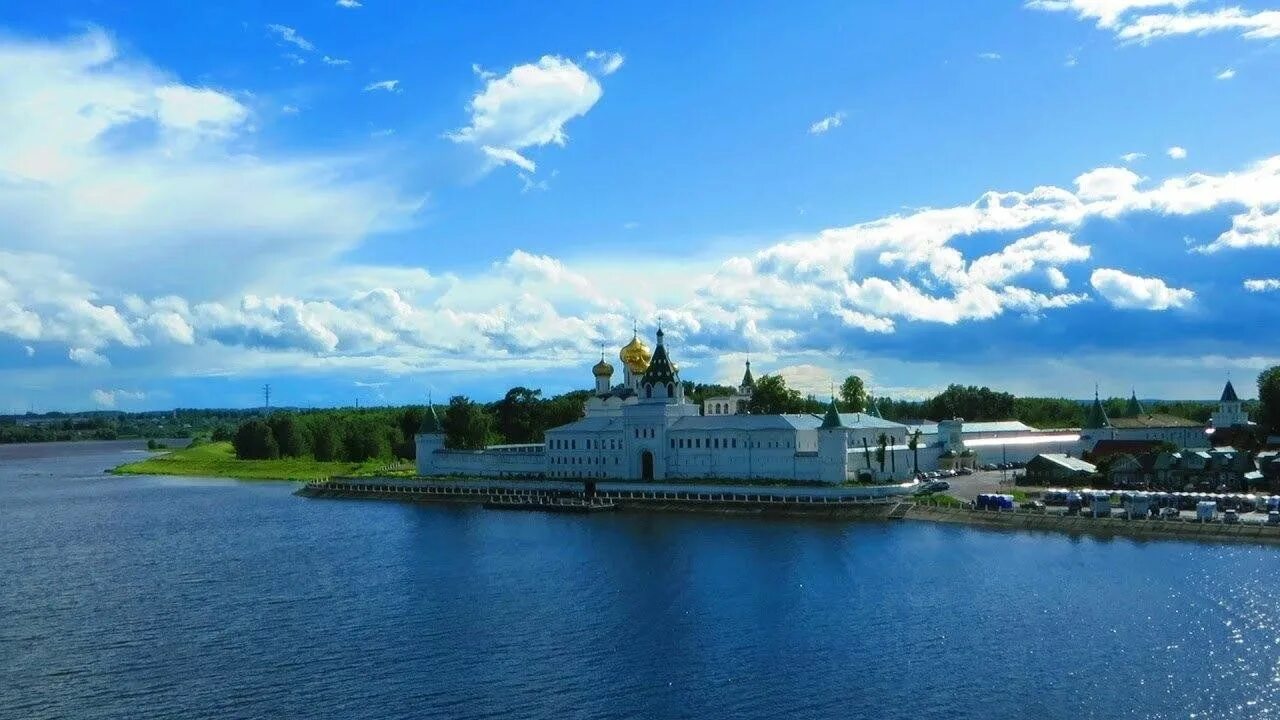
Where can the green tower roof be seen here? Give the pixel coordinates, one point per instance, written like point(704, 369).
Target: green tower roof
point(1097, 415)
point(747, 380)
point(832, 418)
point(1229, 393)
point(430, 422)
point(1134, 408)
point(659, 371)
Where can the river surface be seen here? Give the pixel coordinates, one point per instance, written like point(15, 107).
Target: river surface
point(126, 597)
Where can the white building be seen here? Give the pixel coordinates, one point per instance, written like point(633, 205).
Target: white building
point(644, 429)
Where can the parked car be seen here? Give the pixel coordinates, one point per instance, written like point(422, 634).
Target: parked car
point(964, 471)
point(1169, 513)
point(1033, 505)
point(1231, 517)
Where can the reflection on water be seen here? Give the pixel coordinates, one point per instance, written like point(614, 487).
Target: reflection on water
point(177, 598)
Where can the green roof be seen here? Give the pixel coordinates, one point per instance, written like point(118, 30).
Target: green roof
point(659, 371)
point(1229, 393)
point(1134, 408)
point(430, 422)
point(747, 380)
point(1097, 415)
point(832, 418)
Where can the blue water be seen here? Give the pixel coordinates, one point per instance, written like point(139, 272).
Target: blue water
point(169, 598)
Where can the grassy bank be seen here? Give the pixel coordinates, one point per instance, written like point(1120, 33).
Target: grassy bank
point(219, 460)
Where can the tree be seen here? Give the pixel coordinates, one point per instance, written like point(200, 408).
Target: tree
point(518, 415)
point(364, 438)
point(773, 397)
point(288, 434)
point(853, 395)
point(254, 441)
point(325, 438)
point(466, 425)
point(1269, 399)
point(882, 442)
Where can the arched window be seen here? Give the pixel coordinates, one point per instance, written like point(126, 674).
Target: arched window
point(671, 390)
point(648, 391)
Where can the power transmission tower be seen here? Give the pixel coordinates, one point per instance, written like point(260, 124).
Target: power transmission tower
point(266, 396)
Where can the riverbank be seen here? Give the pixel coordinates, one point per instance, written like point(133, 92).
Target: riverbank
point(219, 460)
point(797, 502)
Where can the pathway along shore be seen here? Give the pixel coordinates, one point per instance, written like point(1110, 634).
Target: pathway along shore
point(856, 503)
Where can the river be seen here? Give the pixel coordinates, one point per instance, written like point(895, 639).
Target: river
point(124, 597)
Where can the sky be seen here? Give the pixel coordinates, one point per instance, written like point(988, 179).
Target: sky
point(376, 202)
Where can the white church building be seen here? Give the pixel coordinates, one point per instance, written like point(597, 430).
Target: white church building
point(644, 429)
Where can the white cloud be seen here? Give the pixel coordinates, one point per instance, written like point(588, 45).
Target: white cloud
point(1057, 279)
point(1146, 20)
point(1131, 157)
point(1252, 229)
point(827, 123)
point(30, 351)
point(334, 61)
point(1106, 12)
point(1263, 285)
point(349, 4)
point(188, 203)
point(502, 156)
point(87, 357)
point(1177, 153)
point(608, 62)
point(109, 398)
point(1226, 74)
point(1134, 292)
point(989, 56)
point(291, 36)
point(391, 86)
point(528, 107)
point(289, 109)
point(1107, 183)
point(198, 110)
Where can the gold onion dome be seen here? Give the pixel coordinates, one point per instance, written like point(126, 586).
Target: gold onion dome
point(635, 355)
point(602, 369)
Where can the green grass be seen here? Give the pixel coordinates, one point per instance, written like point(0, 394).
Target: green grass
point(219, 460)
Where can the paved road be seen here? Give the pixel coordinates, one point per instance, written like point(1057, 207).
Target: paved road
point(967, 487)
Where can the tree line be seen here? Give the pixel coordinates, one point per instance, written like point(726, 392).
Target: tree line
point(523, 415)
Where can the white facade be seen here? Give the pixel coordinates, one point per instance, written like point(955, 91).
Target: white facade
point(644, 429)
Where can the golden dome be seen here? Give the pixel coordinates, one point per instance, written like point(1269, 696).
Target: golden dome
point(602, 369)
point(635, 355)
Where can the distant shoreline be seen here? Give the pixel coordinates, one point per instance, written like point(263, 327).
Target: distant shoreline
point(219, 460)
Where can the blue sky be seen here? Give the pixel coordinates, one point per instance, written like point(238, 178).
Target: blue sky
point(373, 200)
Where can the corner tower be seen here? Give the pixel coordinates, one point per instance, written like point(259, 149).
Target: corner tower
point(833, 450)
point(1230, 410)
point(429, 439)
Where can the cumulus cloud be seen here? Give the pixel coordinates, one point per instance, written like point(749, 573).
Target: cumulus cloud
point(349, 4)
point(1177, 153)
point(826, 124)
point(87, 357)
point(1253, 229)
point(528, 107)
point(1226, 74)
point(1133, 292)
point(1263, 285)
point(1131, 157)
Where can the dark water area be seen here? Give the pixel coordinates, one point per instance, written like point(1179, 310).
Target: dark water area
point(124, 597)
